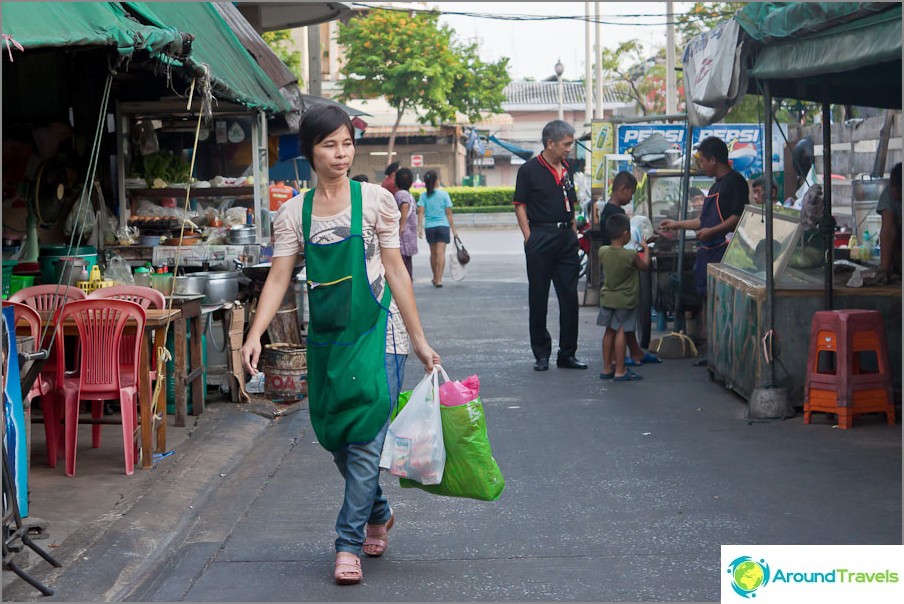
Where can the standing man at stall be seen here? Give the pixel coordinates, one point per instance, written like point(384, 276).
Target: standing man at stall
point(544, 205)
point(722, 209)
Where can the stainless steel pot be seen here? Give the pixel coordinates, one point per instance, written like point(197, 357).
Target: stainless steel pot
point(868, 188)
point(189, 285)
point(221, 286)
point(240, 235)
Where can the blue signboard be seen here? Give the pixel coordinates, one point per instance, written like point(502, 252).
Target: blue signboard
point(745, 142)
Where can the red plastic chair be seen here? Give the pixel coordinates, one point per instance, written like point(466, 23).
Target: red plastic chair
point(147, 297)
point(44, 383)
point(101, 323)
point(47, 297)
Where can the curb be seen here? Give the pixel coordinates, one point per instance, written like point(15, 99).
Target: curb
point(102, 561)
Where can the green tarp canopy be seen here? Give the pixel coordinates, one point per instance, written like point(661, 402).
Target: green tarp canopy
point(232, 68)
point(66, 24)
point(845, 53)
point(133, 26)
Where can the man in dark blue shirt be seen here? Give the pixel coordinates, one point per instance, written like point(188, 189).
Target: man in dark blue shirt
point(544, 205)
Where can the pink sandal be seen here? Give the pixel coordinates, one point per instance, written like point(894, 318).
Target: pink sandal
point(378, 537)
point(348, 569)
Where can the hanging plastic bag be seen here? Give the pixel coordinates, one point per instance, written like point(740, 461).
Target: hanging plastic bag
point(470, 471)
point(413, 448)
point(456, 268)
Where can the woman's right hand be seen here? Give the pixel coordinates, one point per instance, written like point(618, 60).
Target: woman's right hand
point(251, 352)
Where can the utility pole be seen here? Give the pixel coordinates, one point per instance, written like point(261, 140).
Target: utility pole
point(599, 67)
point(671, 90)
point(588, 77)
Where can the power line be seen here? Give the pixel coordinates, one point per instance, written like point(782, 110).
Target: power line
point(525, 17)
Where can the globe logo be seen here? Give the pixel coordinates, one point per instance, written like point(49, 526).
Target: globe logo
point(748, 575)
point(742, 155)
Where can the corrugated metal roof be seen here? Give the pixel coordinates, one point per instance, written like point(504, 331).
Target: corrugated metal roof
point(546, 94)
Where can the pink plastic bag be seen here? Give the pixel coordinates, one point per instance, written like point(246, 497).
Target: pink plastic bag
point(453, 394)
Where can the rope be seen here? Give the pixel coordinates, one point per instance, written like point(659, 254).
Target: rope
point(85, 195)
point(681, 336)
point(162, 352)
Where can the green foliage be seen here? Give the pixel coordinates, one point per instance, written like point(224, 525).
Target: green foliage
point(704, 16)
point(416, 65)
point(484, 209)
point(280, 42)
point(477, 197)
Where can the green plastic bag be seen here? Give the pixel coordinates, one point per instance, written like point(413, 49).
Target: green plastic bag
point(471, 471)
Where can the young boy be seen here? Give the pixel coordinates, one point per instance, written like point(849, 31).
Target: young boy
point(624, 185)
point(619, 296)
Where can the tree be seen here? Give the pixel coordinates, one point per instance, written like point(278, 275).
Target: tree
point(638, 77)
point(282, 45)
point(416, 64)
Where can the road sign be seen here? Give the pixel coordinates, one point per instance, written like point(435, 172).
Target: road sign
point(417, 161)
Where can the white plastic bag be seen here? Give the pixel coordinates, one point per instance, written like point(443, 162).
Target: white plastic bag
point(414, 440)
point(456, 268)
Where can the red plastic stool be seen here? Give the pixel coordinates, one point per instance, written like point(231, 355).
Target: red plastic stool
point(847, 371)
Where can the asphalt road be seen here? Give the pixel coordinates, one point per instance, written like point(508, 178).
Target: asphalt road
point(614, 492)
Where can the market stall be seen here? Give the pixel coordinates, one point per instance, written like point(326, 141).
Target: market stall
point(779, 269)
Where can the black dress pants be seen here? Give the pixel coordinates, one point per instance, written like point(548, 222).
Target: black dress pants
point(552, 257)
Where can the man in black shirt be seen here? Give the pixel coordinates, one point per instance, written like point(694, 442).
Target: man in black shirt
point(544, 205)
point(722, 209)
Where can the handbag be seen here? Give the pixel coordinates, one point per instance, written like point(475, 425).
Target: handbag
point(463, 256)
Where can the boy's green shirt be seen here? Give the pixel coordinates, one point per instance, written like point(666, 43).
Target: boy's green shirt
point(621, 279)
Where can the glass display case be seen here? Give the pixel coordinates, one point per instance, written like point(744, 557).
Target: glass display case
point(798, 255)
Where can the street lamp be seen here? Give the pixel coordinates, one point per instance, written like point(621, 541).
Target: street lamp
point(560, 69)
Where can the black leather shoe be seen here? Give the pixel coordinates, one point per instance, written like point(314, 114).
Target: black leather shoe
point(541, 365)
point(570, 363)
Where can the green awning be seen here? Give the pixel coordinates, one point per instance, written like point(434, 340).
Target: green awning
point(846, 54)
point(66, 24)
point(235, 74)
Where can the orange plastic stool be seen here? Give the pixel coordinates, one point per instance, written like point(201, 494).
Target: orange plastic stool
point(847, 371)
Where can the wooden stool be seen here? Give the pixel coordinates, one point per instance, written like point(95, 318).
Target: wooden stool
point(847, 370)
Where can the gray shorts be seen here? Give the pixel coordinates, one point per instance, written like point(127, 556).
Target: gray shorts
point(617, 318)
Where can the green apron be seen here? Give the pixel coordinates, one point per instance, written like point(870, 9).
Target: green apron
point(348, 390)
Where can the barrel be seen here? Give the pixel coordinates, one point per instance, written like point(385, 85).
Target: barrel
point(285, 369)
point(50, 255)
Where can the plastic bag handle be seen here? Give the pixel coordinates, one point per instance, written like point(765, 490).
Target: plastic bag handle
point(443, 371)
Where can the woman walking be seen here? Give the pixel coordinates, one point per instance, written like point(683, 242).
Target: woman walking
point(362, 312)
point(434, 214)
point(408, 221)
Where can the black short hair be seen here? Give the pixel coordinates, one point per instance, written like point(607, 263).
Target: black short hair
point(319, 122)
point(715, 148)
point(391, 168)
point(694, 192)
point(361, 177)
point(623, 179)
point(896, 175)
point(403, 179)
point(759, 181)
point(617, 225)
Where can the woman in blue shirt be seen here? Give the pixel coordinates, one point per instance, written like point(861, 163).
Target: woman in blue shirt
point(434, 219)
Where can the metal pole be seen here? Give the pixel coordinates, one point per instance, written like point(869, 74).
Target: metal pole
point(671, 103)
point(599, 67)
point(828, 226)
point(685, 186)
point(588, 74)
point(768, 375)
point(561, 99)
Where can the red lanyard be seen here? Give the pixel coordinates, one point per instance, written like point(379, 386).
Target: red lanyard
point(561, 179)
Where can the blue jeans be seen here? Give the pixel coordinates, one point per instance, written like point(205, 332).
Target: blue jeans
point(359, 464)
